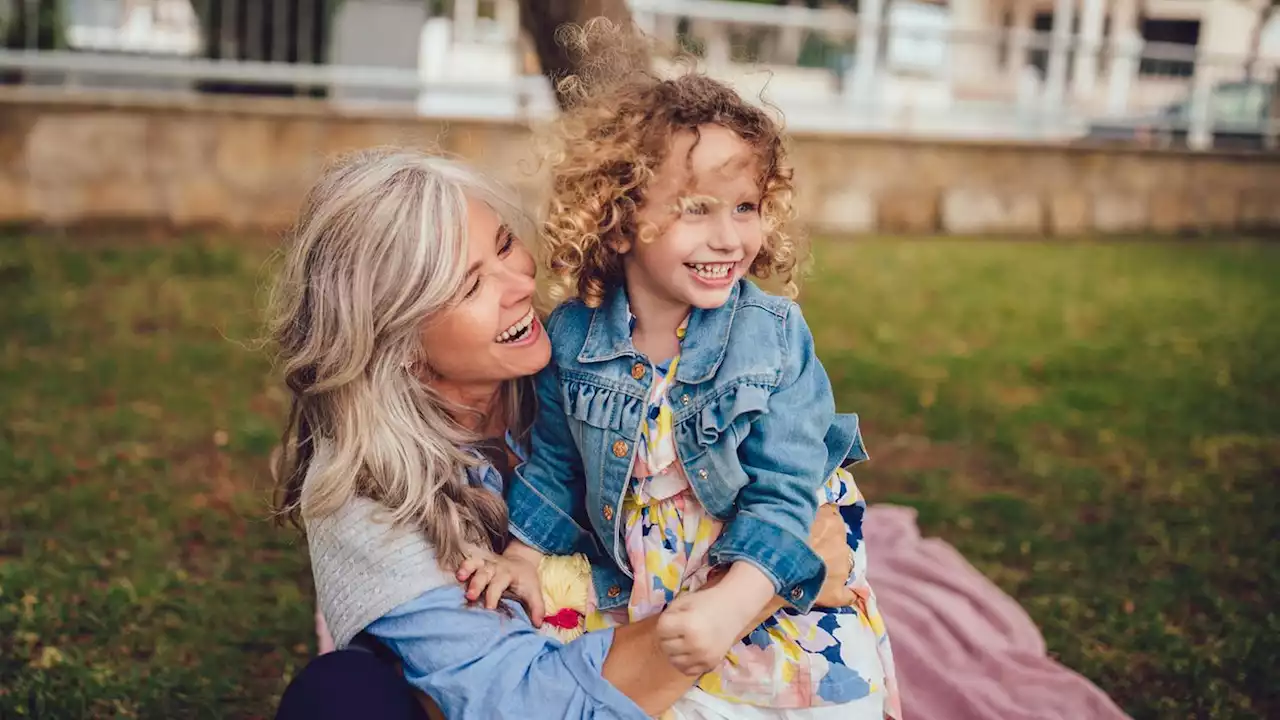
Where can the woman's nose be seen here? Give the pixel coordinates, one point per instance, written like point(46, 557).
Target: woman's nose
point(519, 286)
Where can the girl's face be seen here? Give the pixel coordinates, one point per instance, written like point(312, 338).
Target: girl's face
point(706, 205)
point(492, 334)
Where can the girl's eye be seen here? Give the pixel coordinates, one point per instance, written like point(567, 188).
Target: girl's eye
point(695, 208)
point(508, 243)
point(747, 207)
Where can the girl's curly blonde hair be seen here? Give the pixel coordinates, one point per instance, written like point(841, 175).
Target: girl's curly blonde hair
point(610, 141)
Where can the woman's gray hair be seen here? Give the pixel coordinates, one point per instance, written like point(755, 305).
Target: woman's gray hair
point(379, 249)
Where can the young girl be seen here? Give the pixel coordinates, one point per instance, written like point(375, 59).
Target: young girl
point(685, 419)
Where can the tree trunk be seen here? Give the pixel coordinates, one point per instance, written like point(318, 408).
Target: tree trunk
point(1255, 40)
point(541, 18)
point(1251, 71)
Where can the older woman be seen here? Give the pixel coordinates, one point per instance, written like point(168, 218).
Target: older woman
point(406, 329)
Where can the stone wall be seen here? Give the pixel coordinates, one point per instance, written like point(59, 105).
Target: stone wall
point(196, 161)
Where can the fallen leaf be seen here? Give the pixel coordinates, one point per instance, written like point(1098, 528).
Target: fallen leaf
point(49, 657)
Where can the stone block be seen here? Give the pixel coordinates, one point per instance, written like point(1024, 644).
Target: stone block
point(1219, 210)
point(81, 165)
point(496, 148)
point(77, 149)
point(970, 211)
point(202, 201)
point(120, 201)
point(278, 210)
point(265, 154)
point(1069, 213)
point(1120, 213)
point(1172, 211)
point(845, 211)
point(15, 206)
point(908, 211)
point(181, 145)
point(244, 155)
point(342, 135)
point(15, 127)
point(1260, 210)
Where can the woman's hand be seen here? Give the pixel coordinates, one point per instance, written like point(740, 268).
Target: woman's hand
point(827, 539)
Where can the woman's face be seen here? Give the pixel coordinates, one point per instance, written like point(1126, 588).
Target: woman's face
point(492, 334)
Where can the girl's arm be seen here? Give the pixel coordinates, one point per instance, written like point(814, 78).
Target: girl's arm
point(545, 496)
point(786, 457)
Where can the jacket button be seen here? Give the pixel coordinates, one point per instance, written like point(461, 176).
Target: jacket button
point(615, 591)
point(608, 512)
point(619, 449)
point(796, 594)
point(684, 399)
point(637, 371)
point(702, 474)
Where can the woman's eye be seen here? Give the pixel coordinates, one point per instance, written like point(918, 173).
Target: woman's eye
point(695, 209)
point(475, 285)
point(747, 207)
point(507, 245)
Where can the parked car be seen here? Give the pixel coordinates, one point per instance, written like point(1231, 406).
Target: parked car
point(1240, 120)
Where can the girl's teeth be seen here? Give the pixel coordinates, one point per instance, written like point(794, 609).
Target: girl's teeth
point(713, 272)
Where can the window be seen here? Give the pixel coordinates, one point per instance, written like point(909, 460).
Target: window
point(1238, 104)
point(1169, 32)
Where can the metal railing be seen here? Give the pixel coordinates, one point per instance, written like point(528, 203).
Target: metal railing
point(914, 69)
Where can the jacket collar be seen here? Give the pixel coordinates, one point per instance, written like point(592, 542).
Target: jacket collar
point(703, 349)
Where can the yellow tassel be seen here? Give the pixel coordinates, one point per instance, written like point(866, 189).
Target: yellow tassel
point(566, 585)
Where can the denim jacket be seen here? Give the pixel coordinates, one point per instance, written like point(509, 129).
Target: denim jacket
point(755, 429)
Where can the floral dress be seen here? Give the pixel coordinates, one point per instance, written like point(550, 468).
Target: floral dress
point(822, 658)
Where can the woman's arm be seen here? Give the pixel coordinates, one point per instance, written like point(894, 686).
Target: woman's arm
point(638, 667)
point(477, 664)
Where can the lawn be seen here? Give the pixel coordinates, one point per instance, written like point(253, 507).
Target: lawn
point(1096, 426)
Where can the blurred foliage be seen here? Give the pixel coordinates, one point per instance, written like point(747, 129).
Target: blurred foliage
point(39, 25)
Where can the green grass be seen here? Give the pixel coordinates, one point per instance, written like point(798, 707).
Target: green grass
point(1096, 427)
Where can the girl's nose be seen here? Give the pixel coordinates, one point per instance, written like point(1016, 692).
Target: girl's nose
point(725, 234)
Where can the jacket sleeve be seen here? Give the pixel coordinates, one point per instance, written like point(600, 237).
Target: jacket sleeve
point(547, 496)
point(785, 456)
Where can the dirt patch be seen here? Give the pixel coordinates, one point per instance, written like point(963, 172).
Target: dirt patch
point(1014, 397)
point(899, 458)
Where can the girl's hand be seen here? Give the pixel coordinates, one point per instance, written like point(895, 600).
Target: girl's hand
point(827, 539)
point(494, 575)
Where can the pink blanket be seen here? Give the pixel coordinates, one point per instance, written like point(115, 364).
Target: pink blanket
point(963, 649)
